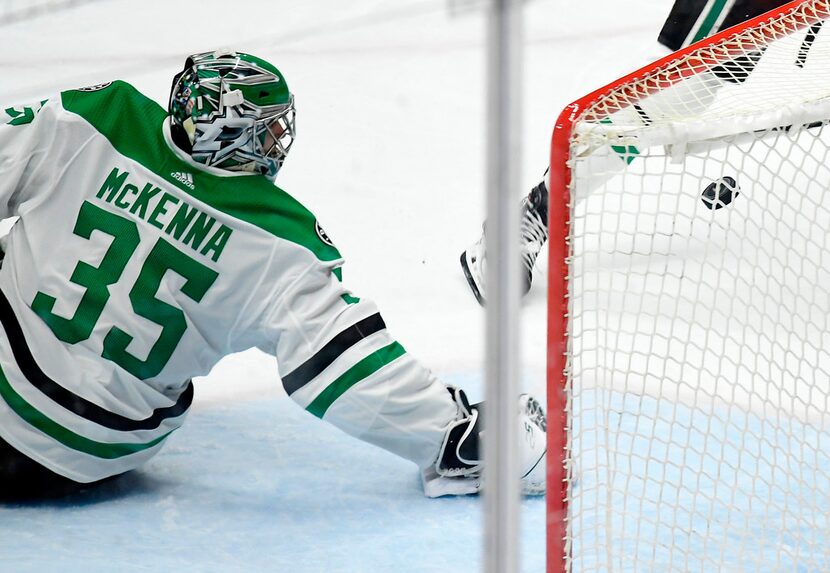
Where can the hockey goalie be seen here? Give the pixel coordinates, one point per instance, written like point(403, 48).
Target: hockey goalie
point(150, 244)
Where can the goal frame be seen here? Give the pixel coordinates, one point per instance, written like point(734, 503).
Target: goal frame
point(706, 54)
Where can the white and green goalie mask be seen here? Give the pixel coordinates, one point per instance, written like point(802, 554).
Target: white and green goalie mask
point(233, 111)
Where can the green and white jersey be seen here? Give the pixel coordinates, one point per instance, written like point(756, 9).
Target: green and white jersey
point(133, 269)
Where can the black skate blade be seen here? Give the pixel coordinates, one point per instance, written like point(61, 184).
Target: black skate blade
point(470, 281)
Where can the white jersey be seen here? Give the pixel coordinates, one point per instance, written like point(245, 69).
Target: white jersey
point(133, 269)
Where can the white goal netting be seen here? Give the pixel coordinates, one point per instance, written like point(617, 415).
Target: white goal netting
point(698, 364)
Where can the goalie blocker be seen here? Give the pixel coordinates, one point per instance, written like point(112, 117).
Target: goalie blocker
point(459, 467)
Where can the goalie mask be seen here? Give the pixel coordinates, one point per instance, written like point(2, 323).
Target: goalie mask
point(232, 111)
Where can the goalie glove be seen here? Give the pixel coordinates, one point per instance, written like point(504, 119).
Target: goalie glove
point(458, 469)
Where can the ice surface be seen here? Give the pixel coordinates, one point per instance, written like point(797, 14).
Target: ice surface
point(257, 486)
point(669, 487)
point(390, 156)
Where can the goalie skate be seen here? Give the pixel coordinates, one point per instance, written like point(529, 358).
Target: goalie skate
point(472, 263)
point(533, 234)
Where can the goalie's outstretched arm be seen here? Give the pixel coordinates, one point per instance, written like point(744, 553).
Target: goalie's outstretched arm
point(339, 362)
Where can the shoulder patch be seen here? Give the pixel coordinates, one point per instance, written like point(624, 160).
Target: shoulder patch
point(22, 115)
point(95, 88)
point(322, 234)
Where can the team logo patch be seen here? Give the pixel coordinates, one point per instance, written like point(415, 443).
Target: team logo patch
point(95, 88)
point(322, 234)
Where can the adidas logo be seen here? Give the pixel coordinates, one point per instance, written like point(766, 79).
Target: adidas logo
point(185, 179)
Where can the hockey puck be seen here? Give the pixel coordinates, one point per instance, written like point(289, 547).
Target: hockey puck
point(720, 193)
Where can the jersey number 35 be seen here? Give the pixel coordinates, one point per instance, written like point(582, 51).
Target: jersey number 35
point(96, 280)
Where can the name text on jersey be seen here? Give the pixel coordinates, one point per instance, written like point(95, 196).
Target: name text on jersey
point(165, 211)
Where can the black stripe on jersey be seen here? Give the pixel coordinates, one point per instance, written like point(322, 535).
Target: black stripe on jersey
point(737, 70)
point(308, 370)
point(801, 60)
point(642, 113)
point(72, 402)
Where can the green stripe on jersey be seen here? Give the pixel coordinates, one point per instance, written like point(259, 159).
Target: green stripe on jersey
point(133, 123)
point(626, 152)
point(353, 375)
point(709, 21)
point(63, 435)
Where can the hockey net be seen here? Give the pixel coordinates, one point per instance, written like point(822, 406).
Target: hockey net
point(689, 309)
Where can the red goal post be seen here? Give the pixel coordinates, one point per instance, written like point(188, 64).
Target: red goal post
point(621, 299)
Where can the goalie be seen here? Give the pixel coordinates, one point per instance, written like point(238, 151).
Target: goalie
point(689, 21)
point(161, 245)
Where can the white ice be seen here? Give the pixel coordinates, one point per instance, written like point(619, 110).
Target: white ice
point(390, 157)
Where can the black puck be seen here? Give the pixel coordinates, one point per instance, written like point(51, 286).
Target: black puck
point(720, 193)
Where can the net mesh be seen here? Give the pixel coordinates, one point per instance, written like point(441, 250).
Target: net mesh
point(699, 292)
